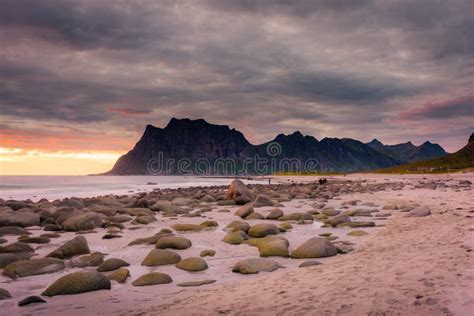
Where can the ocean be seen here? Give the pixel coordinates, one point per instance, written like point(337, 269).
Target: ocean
point(58, 187)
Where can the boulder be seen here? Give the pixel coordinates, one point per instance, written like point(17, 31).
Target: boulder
point(238, 189)
point(255, 215)
point(144, 219)
point(244, 211)
point(192, 264)
point(419, 212)
point(83, 221)
point(337, 220)
point(120, 275)
point(74, 247)
point(262, 200)
point(270, 246)
point(4, 294)
point(237, 225)
point(330, 212)
point(255, 265)
point(316, 247)
point(285, 226)
point(112, 264)
point(357, 233)
point(188, 227)
point(296, 217)
point(152, 279)
point(13, 231)
point(31, 300)
point(7, 258)
point(158, 257)
point(93, 260)
point(235, 238)
point(262, 230)
point(35, 240)
point(24, 268)
point(173, 242)
point(357, 224)
point(275, 213)
point(16, 247)
point(78, 282)
point(309, 264)
point(196, 283)
point(207, 253)
point(21, 218)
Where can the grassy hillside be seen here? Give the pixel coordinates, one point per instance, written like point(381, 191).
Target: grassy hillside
point(460, 160)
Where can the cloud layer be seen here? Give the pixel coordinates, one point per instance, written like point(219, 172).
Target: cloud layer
point(71, 72)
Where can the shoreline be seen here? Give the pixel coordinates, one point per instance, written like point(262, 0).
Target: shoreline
point(382, 273)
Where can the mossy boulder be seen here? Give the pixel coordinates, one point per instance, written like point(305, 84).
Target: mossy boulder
point(285, 226)
point(196, 283)
point(78, 282)
point(275, 213)
point(112, 264)
point(74, 247)
point(262, 230)
point(238, 225)
point(158, 257)
point(120, 275)
point(255, 215)
point(24, 268)
point(173, 242)
point(209, 224)
point(357, 233)
point(244, 211)
point(21, 218)
point(357, 224)
point(330, 212)
point(192, 264)
point(188, 227)
point(150, 240)
point(207, 253)
point(337, 220)
point(316, 247)
point(270, 246)
point(152, 278)
point(235, 238)
point(255, 265)
point(93, 260)
point(296, 217)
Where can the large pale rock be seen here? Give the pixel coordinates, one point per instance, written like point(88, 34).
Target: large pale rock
point(316, 247)
point(152, 279)
point(158, 257)
point(22, 218)
point(262, 230)
point(24, 268)
point(74, 247)
point(255, 265)
point(78, 282)
point(237, 189)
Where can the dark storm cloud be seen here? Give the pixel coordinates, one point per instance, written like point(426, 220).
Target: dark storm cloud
point(329, 68)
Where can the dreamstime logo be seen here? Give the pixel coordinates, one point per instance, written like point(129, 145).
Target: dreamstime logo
point(270, 163)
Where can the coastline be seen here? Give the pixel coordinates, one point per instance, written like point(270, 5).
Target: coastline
point(400, 259)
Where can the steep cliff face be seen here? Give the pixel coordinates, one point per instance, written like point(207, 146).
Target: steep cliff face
point(197, 147)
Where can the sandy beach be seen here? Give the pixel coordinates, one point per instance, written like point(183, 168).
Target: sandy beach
point(404, 265)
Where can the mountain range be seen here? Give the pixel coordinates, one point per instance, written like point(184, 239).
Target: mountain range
point(188, 146)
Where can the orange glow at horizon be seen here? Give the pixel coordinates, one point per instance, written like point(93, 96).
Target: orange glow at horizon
point(16, 161)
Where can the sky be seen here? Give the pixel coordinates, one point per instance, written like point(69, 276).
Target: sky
point(79, 80)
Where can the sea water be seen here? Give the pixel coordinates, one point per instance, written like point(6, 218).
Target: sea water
point(58, 187)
